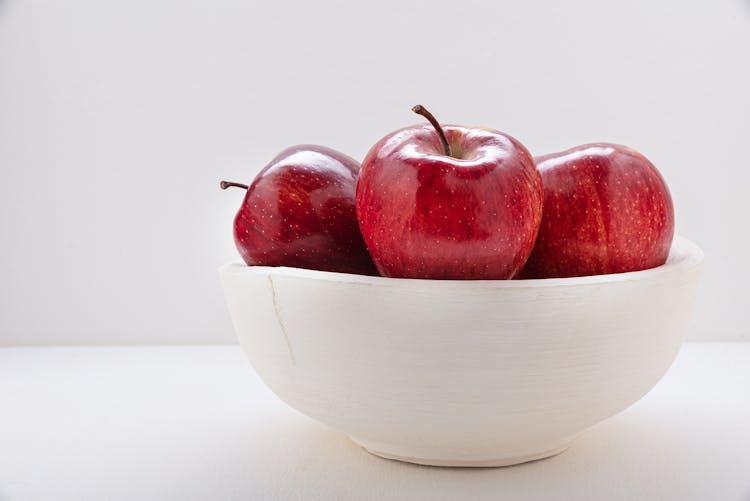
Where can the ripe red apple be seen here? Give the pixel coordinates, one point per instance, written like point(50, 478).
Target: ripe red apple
point(606, 210)
point(449, 202)
point(300, 212)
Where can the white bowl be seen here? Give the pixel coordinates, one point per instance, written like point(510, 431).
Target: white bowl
point(462, 373)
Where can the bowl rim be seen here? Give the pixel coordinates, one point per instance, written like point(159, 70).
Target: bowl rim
point(683, 255)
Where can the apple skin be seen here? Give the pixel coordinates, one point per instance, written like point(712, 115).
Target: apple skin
point(300, 212)
point(606, 210)
point(424, 214)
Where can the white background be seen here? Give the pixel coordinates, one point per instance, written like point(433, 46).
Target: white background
point(117, 119)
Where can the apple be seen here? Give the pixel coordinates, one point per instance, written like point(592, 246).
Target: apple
point(300, 212)
point(449, 202)
point(606, 210)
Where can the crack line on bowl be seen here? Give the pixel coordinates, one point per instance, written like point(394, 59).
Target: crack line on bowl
point(280, 321)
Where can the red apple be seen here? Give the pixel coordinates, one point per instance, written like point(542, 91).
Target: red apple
point(449, 203)
point(300, 212)
point(606, 210)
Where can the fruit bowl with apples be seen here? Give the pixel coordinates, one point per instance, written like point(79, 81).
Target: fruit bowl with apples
point(455, 301)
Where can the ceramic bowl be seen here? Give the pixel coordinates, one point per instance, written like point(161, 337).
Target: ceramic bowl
point(462, 373)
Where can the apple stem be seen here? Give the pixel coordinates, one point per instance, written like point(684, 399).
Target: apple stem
point(421, 110)
point(227, 184)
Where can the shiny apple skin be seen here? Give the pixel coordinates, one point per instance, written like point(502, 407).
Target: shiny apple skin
point(606, 210)
point(424, 214)
point(300, 212)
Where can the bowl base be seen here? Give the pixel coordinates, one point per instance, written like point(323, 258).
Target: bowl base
point(513, 459)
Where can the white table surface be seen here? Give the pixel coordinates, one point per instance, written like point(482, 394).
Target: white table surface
point(196, 423)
